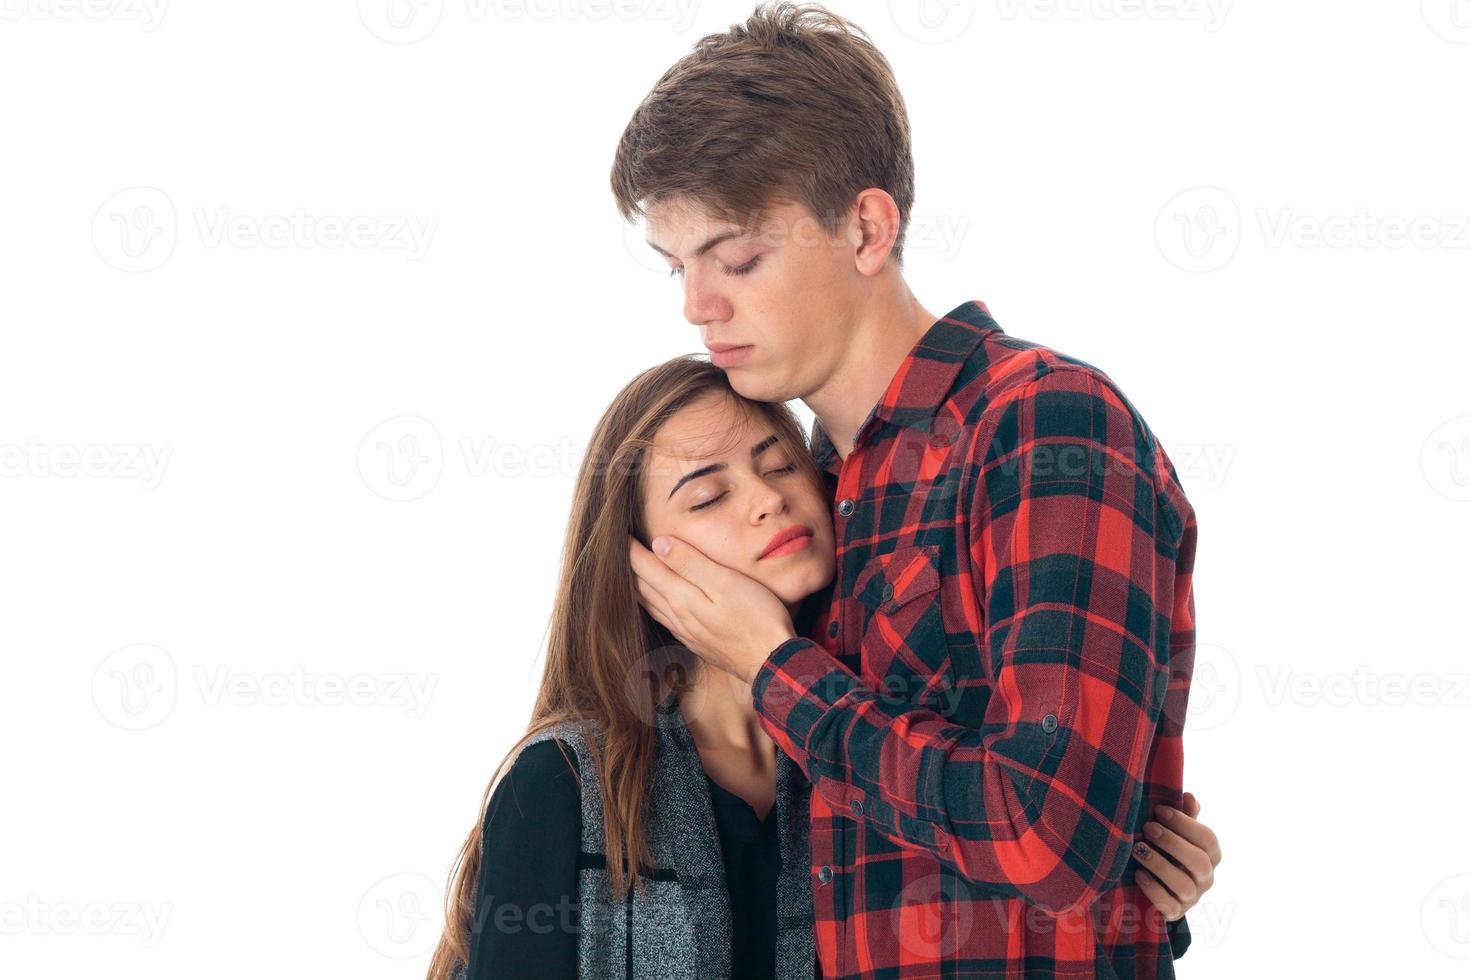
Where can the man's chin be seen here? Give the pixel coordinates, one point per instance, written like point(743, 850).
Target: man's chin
point(755, 386)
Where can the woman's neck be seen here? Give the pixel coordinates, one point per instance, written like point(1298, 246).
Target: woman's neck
point(734, 749)
point(720, 714)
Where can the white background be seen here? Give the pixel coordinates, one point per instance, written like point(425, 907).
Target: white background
point(201, 531)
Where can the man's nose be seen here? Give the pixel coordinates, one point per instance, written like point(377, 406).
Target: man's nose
point(703, 302)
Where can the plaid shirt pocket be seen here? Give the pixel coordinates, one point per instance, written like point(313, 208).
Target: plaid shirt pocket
point(903, 634)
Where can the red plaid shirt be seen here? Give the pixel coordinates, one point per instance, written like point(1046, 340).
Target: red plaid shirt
point(988, 700)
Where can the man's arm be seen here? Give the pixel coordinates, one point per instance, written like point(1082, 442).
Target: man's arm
point(1069, 547)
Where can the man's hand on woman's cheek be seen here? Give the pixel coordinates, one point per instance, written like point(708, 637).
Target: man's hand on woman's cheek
point(728, 618)
point(1179, 854)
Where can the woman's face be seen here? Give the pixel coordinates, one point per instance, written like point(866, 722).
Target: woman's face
point(726, 485)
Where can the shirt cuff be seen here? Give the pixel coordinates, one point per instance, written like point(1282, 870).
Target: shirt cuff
point(795, 687)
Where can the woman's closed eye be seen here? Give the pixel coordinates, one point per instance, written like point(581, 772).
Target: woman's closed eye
point(790, 468)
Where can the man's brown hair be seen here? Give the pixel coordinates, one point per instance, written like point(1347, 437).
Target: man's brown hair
point(794, 104)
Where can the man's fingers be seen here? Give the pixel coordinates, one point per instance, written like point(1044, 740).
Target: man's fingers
point(1191, 830)
point(692, 565)
point(1191, 805)
point(650, 596)
point(651, 600)
point(1160, 896)
point(648, 567)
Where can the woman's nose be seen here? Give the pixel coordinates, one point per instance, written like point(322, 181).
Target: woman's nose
point(769, 500)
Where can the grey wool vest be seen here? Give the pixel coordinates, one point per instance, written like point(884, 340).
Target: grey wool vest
point(679, 927)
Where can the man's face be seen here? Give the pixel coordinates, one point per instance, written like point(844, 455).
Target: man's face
point(785, 290)
point(747, 489)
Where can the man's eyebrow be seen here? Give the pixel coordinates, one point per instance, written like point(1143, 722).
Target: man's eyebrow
point(724, 236)
point(755, 451)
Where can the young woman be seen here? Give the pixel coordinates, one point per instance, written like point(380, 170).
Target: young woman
point(648, 826)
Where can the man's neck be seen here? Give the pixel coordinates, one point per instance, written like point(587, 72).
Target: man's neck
point(885, 331)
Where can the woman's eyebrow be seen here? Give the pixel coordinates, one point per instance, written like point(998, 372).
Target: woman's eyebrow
point(755, 451)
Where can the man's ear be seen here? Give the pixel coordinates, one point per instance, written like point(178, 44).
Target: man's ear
point(875, 229)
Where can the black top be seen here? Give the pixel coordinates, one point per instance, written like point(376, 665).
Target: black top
point(526, 903)
point(526, 917)
point(752, 853)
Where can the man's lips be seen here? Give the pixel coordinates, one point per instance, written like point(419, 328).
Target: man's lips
point(726, 356)
point(785, 536)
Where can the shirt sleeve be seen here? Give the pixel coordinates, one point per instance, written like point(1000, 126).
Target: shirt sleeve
point(526, 916)
point(1179, 936)
point(1069, 542)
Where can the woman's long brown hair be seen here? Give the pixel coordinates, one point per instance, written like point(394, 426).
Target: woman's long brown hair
point(607, 661)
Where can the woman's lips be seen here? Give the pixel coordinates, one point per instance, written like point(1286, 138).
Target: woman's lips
point(790, 547)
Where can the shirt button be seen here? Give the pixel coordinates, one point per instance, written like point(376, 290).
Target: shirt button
point(824, 875)
point(832, 628)
point(887, 591)
point(857, 808)
point(846, 507)
point(1049, 724)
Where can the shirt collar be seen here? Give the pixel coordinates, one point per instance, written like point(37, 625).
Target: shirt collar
point(923, 381)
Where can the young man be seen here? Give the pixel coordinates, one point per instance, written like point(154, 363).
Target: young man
point(989, 708)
